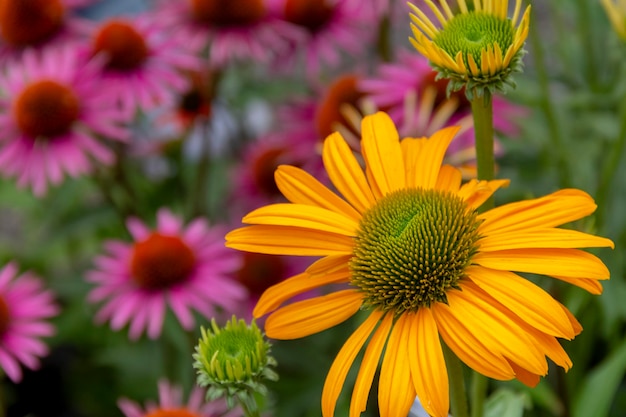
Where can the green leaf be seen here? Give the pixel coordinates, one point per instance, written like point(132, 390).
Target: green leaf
point(506, 403)
point(596, 394)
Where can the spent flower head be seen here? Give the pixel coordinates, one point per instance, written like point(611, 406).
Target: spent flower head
point(478, 47)
point(233, 362)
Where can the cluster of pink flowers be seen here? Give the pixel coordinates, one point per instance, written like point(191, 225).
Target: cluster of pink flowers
point(76, 94)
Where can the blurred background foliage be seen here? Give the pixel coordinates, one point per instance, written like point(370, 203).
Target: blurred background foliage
point(574, 85)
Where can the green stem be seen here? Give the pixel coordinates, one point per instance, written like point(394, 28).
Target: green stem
point(478, 393)
point(383, 43)
point(200, 185)
point(249, 411)
point(482, 112)
point(458, 395)
point(547, 107)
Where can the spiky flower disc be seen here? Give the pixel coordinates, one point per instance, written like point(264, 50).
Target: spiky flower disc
point(233, 362)
point(477, 48)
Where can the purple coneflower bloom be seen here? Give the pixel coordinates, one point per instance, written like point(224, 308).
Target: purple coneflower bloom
point(52, 115)
point(183, 267)
point(24, 307)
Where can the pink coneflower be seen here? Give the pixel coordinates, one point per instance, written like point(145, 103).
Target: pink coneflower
point(237, 30)
point(24, 307)
point(32, 23)
point(142, 64)
point(171, 404)
point(331, 29)
point(51, 111)
point(183, 267)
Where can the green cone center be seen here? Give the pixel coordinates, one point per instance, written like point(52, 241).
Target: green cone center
point(473, 32)
point(411, 248)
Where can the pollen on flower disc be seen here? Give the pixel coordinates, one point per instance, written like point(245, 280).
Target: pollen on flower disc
point(46, 108)
point(161, 261)
point(328, 113)
point(228, 13)
point(124, 46)
point(312, 15)
point(171, 412)
point(30, 22)
point(5, 316)
point(411, 248)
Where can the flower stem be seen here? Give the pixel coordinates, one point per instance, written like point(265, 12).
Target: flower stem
point(478, 393)
point(482, 112)
point(458, 395)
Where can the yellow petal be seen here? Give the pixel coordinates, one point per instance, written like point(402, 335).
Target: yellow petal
point(562, 262)
point(382, 153)
point(550, 211)
point(303, 216)
point(541, 238)
point(587, 284)
point(277, 294)
point(395, 388)
point(304, 318)
point(525, 376)
point(449, 179)
point(411, 148)
point(476, 192)
point(470, 348)
point(346, 173)
point(300, 187)
point(369, 365)
point(431, 156)
point(496, 327)
point(286, 240)
point(528, 301)
point(428, 366)
point(329, 264)
point(551, 348)
point(342, 363)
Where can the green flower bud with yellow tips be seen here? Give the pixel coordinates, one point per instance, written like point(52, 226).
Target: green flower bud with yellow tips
point(233, 362)
point(478, 47)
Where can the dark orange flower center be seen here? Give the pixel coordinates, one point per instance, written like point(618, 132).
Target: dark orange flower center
point(311, 14)
point(171, 412)
point(328, 113)
point(260, 271)
point(46, 108)
point(5, 316)
point(125, 47)
point(263, 167)
point(29, 22)
point(228, 13)
point(196, 101)
point(160, 261)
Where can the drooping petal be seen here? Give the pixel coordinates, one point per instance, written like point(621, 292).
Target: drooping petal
point(593, 286)
point(368, 367)
point(303, 216)
point(287, 240)
point(381, 150)
point(525, 376)
point(300, 187)
point(562, 262)
point(328, 264)
point(343, 362)
point(542, 238)
point(277, 294)
point(307, 317)
point(345, 173)
point(497, 327)
point(396, 392)
point(552, 210)
point(528, 301)
point(428, 366)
